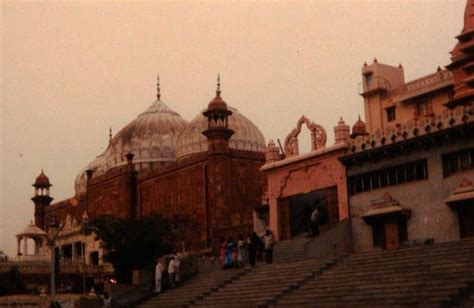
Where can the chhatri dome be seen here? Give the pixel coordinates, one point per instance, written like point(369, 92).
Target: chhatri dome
point(151, 137)
point(246, 135)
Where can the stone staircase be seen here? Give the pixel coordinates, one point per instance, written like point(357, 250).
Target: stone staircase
point(290, 250)
point(265, 284)
point(434, 275)
point(195, 288)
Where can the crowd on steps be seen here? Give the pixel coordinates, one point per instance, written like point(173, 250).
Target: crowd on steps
point(435, 275)
point(248, 251)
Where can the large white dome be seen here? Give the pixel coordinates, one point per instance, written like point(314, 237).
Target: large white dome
point(151, 137)
point(246, 137)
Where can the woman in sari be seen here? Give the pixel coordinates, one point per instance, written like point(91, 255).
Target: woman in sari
point(222, 252)
point(229, 260)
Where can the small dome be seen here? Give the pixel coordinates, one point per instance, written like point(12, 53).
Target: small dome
point(217, 104)
point(359, 128)
point(151, 137)
point(42, 180)
point(32, 230)
point(246, 137)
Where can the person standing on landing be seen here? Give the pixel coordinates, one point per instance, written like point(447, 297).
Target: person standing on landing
point(268, 244)
point(315, 222)
point(158, 275)
point(171, 272)
point(177, 267)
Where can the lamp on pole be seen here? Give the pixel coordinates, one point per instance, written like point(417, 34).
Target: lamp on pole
point(54, 229)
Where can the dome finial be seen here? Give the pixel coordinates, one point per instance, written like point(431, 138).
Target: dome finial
point(158, 95)
point(218, 91)
point(110, 134)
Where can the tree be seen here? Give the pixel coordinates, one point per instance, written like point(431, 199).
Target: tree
point(184, 229)
point(132, 244)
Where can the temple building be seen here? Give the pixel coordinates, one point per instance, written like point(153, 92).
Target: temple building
point(404, 175)
point(207, 169)
point(410, 176)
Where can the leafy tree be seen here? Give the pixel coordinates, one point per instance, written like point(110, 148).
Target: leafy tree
point(184, 229)
point(132, 244)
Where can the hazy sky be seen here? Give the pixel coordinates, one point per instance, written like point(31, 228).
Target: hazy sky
point(72, 69)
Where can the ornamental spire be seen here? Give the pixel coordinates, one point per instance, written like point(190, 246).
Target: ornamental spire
point(110, 134)
point(218, 91)
point(158, 95)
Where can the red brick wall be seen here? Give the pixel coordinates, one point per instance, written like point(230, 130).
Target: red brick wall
point(218, 191)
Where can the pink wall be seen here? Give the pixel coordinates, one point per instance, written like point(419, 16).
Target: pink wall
point(302, 175)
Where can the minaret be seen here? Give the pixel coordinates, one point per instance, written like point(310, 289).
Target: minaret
point(218, 132)
point(41, 199)
point(462, 61)
point(220, 185)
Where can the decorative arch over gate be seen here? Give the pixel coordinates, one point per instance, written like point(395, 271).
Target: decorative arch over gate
point(318, 137)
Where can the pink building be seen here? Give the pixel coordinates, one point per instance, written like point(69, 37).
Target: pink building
point(297, 184)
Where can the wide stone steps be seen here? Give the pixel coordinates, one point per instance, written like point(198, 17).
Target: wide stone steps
point(265, 283)
point(426, 276)
point(290, 250)
point(194, 288)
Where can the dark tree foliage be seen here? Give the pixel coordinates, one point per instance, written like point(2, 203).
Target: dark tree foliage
point(132, 244)
point(184, 229)
point(12, 282)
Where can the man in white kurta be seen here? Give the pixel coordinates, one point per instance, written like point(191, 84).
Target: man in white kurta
point(158, 275)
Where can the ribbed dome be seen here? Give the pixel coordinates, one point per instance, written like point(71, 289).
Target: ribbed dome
point(246, 137)
point(151, 137)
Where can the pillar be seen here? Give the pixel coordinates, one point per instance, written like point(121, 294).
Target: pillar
point(18, 244)
point(25, 245)
point(36, 247)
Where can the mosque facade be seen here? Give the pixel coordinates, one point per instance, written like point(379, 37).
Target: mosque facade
point(206, 170)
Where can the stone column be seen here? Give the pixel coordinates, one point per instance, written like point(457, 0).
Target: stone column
point(73, 251)
point(19, 243)
point(25, 245)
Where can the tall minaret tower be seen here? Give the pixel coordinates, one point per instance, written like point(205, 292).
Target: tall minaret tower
point(221, 191)
point(41, 199)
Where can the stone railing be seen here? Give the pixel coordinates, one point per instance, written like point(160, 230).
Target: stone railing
point(413, 129)
point(430, 81)
point(39, 267)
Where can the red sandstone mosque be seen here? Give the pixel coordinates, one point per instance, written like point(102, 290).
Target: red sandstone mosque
point(405, 174)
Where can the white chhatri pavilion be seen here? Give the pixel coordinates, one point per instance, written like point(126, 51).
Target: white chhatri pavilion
point(40, 238)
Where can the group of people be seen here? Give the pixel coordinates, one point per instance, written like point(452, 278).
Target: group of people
point(237, 254)
point(172, 273)
point(232, 255)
